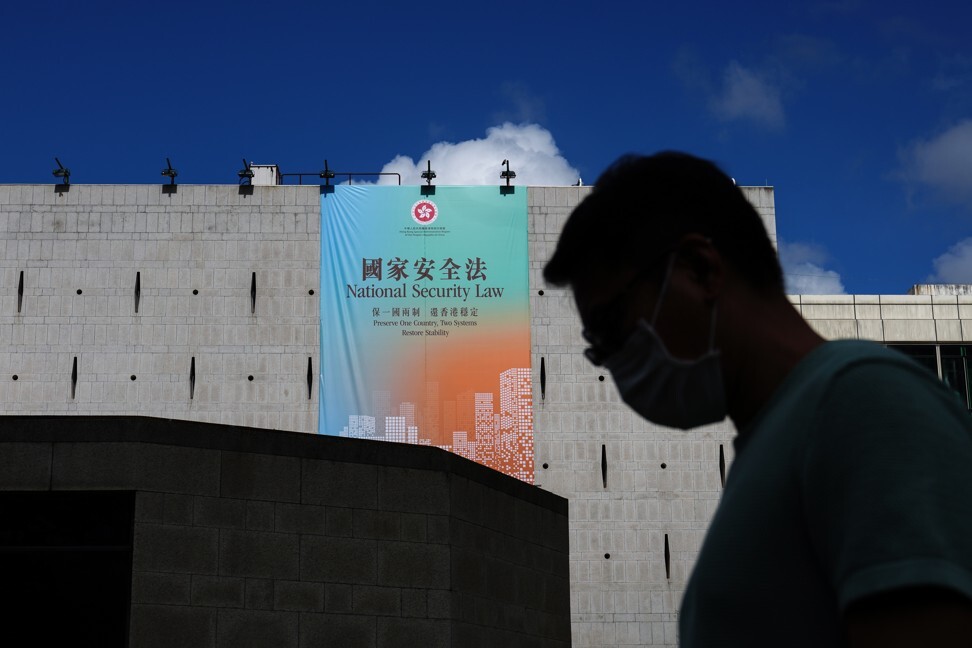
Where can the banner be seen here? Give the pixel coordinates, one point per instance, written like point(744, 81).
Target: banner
point(425, 321)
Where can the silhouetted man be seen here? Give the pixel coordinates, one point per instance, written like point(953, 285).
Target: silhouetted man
point(847, 516)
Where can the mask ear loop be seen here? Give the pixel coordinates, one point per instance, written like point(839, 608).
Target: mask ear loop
point(664, 288)
point(712, 328)
point(712, 319)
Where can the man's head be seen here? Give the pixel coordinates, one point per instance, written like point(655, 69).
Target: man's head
point(644, 209)
point(642, 206)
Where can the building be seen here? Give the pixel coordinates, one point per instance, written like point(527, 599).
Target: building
point(200, 304)
point(148, 532)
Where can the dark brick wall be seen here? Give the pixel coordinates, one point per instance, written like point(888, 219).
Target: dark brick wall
point(246, 537)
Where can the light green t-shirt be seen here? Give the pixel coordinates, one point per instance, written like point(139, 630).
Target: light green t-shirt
point(855, 479)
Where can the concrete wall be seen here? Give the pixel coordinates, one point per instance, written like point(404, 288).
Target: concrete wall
point(79, 251)
point(247, 537)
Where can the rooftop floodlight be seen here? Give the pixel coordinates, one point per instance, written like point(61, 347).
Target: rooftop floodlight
point(327, 174)
point(169, 172)
point(507, 175)
point(61, 172)
point(245, 174)
point(428, 174)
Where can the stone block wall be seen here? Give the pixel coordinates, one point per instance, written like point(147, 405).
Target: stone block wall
point(197, 303)
point(249, 537)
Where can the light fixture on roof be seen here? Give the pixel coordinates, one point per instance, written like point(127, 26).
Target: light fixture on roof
point(245, 174)
point(428, 175)
point(327, 174)
point(62, 172)
point(507, 175)
point(169, 172)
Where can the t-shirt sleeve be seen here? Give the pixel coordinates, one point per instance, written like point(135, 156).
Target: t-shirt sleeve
point(887, 483)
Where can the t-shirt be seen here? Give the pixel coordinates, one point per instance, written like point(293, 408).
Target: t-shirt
point(854, 479)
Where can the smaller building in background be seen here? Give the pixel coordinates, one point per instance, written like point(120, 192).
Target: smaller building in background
point(940, 289)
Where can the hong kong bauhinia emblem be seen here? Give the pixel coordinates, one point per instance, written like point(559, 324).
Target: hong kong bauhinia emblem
point(424, 212)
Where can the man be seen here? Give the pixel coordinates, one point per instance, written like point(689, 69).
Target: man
point(847, 516)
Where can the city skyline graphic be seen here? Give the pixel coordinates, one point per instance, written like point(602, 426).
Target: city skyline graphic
point(469, 424)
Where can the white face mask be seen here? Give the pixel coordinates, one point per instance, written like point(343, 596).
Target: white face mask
point(666, 390)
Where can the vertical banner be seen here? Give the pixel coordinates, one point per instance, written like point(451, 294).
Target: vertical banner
point(425, 321)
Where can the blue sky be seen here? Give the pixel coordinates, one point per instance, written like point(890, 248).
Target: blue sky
point(858, 113)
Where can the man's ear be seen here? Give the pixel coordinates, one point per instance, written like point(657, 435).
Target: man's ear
point(704, 263)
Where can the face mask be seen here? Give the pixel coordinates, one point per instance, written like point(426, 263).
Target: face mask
point(665, 390)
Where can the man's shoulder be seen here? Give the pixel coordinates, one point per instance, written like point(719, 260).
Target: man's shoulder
point(876, 379)
point(860, 365)
point(875, 397)
point(836, 361)
point(844, 381)
point(839, 354)
point(868, 367)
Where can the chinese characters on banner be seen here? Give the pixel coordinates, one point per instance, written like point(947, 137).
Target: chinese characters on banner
point(425, 322)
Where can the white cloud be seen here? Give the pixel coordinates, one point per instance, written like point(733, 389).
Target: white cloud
point(530, 148)
point(955, 266)
point(749, 96)
point(944, 163)
point(804, 273)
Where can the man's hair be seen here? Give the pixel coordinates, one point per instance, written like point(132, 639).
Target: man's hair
point(641, 207)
